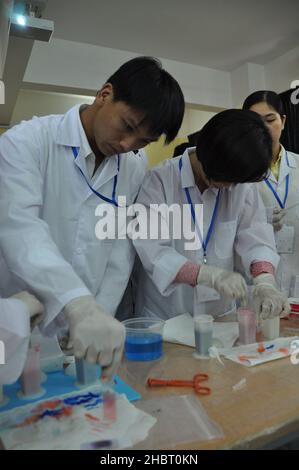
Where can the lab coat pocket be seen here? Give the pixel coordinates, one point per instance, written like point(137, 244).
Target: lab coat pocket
point(224, 239)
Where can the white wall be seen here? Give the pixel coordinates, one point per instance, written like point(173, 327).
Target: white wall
point(194, 119)
point(37, 103)
point(244, 80)
point(239, 85)
point(84, 66)
point(277, 75)
point(67, 63)
point(70, 64)
point(282, 71)
point(256, 77)
point(201, 85)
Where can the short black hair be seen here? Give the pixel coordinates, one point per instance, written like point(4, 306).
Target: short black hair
point(143, 84)
point(265, 96)
point(235, 146)
point(180, 149)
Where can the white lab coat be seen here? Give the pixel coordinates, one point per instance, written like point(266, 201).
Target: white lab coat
point(14, 334)
point(47, 216)
point(289, 263)
point(240, 225)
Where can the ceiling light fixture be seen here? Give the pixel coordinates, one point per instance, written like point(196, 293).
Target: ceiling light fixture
point(27, 22)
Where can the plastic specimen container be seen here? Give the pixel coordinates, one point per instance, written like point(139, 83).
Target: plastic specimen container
point(144, 339)
point(203, 332)
point(247, 326)
point(86, 373)
point(271, 328)
point(31, 376)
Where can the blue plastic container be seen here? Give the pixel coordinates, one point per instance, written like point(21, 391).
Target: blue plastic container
point(144, 340)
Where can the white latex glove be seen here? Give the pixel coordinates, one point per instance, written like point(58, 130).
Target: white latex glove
point(278, 215)
point(225, 282)
point(268, 301)
point(33, 305)
point(95, 335)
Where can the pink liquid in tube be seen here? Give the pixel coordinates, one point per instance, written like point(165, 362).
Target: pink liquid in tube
point(247, 326)
point(31, 375)
point(109, 401)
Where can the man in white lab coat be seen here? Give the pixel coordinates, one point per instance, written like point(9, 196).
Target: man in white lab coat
point(54, 172)
point(17, 316)
point(232, 148)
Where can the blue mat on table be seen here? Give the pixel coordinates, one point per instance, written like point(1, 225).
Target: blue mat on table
point(57, 384)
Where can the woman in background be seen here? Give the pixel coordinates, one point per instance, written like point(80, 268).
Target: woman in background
point(280, 190)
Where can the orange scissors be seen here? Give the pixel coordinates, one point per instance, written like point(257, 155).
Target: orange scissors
point(195, 383)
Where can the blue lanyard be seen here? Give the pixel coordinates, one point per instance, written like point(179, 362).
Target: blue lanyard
point(212, 223)
point(104, 198)
point(281, 204)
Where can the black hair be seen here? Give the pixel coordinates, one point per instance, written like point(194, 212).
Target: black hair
point(180, 149)
point(235, 146)
point(265, 96)
point(143, 84)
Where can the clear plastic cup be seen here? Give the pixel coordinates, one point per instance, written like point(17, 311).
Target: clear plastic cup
point(203, 332)
point(247, 326)
point(271, 328)
point(144, 339)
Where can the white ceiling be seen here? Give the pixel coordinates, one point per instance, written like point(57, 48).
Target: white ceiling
point(221, 34)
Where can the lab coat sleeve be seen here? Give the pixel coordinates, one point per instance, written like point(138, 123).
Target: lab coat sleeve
point(160, 259)
point(14, 339)
point(25, 239)
point(255, 237)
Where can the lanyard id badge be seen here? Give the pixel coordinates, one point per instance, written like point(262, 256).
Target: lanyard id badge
point(213, 218)
point(111, 200)
point(275, 194)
